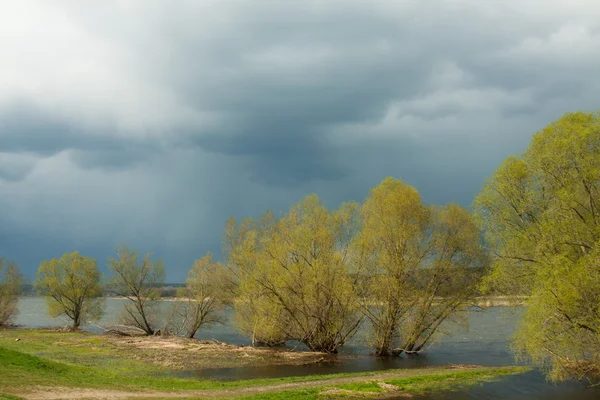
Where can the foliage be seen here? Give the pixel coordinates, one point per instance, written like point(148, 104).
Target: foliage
point(310, 274)
point(255, 314)
point(9, 397)
point(10, 282)
point(139, 282)
point(541, 214)
point(205, 296)
point(292, 276)
point(417, 265)
point(72, 287)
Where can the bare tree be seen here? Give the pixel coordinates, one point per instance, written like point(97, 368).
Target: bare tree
point(138, 282)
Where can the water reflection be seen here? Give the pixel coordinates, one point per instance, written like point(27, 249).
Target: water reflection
point(529, 386)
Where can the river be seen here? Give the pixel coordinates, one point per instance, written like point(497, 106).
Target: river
point(486, 342)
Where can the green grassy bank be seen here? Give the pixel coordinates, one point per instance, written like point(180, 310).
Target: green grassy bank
point(44, 361)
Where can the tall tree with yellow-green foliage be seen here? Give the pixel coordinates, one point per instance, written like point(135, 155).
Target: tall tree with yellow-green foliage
point(10, 287)
point(72, 287)
point(418, 266)
point(541, 215)
point(255, 313)
point(293, 276)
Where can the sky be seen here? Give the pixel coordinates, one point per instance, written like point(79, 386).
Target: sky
point(150, 123)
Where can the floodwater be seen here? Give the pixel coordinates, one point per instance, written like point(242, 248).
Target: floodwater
point(486, 342)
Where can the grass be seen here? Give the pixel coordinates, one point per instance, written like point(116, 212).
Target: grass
point(288, 395)
point(9, 397)
point(452, 381)
point(153, 354)
point(78, 360)
point(412, 385)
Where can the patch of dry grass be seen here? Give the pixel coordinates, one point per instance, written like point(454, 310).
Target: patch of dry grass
point(175, 353)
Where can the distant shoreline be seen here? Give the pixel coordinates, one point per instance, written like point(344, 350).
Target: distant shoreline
point(159, 299)
point(481, 301)
point(501, 301)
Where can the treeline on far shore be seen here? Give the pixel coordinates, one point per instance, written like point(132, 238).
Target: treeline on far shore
point(169, 290)
point(174, 290)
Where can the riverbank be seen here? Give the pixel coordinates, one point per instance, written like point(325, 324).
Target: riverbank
point(47, 364)
point(156, 353)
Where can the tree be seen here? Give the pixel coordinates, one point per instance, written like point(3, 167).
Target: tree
point(72, 287)
point(138, 282)
point(447, 282)
point(293, 276)
point(255, 313)
point(206, 295)
point(10, 285)
point(541, 215)
point(416, 265)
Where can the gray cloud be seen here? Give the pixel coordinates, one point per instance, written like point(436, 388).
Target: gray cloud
point(153, 132)
point(26, 129)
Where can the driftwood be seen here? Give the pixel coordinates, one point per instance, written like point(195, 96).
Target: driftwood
point(118, 333)
point(112, 331)
point(123, 330)
point(398, 351)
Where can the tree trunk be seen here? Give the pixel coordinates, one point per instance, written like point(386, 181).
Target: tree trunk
point(192, 333)
point(408, 348)
point(382, 351)
point(383, 347)
point(147, 328)
point(76, 320)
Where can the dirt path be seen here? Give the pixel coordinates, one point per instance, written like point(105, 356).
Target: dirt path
point(67, 393)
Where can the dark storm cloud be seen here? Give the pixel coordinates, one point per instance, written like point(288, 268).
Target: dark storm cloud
point(279, 157)
point(25, 128)
point(282, 82)
point(152, 122)
point(282, 125)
